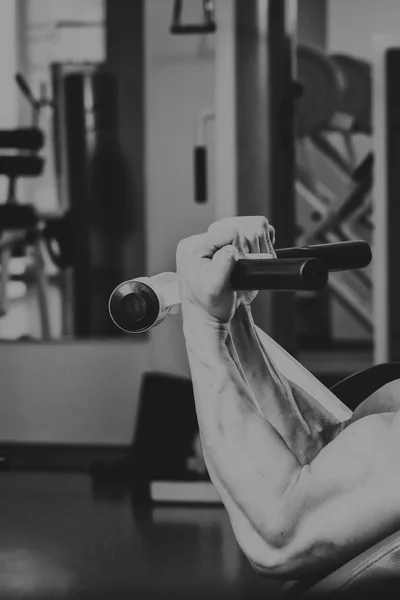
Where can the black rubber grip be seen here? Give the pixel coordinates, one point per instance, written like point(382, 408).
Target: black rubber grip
point(192, 29)
point(341, 256)
point(134, 306)
point(22, 139)
point(286, 274)
point(17, 216)
point(200, 174)
point(21, 166)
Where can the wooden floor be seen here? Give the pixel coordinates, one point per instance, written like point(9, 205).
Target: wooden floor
point(67, 536)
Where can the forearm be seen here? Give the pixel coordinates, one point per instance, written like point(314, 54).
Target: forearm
point(249, 460)
point(300, 418)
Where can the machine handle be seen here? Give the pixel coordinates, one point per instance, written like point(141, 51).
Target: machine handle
point(341, 256)
point(283, 274)
point(138, 305)
point(200, 174)
point(207, 26)
point(24, 138)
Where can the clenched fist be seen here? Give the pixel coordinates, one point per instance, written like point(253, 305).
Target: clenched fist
point(205, 263)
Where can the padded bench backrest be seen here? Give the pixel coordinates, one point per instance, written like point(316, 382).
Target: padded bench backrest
point(374, 573)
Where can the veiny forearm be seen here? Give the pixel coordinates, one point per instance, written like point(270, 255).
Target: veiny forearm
point(250, 461)
point(300, 419)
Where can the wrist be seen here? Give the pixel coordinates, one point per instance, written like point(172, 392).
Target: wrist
point(200, 324)
point(242, 313)
point(242, 319)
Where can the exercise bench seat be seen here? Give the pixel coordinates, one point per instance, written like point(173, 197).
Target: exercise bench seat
point(373, 574)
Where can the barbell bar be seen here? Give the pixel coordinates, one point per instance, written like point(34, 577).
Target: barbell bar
point(137, 305)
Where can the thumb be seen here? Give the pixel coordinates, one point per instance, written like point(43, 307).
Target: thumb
point(224, 261)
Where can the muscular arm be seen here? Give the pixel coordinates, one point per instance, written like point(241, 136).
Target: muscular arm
point(291, 519)
point(303, 422)
point(241, 448)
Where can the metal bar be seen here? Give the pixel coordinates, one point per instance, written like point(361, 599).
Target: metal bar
point(386, 138)
point(5, 256)
point(41, 288)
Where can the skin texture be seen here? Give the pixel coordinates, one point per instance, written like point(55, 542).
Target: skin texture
point(304, 492)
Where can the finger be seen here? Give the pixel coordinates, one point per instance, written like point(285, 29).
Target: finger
point(253, 244)
point(263, 241)
point(271, 250)
point(195, 248)
point(224, 234)
point(224, 261)
point(272, 234)
point(269, 242)
point(205, 247)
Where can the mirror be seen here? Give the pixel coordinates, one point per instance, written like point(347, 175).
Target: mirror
point(58, 270)
point(86, 84)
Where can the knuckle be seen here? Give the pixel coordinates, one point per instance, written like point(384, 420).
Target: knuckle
point(181, 246)
point(257, 227)
point(253, 239)
point(220, 223)
point(213, 226)
point(243, 230)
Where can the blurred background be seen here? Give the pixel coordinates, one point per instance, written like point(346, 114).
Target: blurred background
point(126, 126)
point(144, 137)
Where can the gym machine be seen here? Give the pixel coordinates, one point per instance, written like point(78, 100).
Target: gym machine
point(22, 229)
point(332, 97)
point(83, 241)
point(336, 102)
point(86, 240)
point(97, 215)
point(386, 291)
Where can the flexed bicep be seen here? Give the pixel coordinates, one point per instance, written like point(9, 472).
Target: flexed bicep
point(350, 500)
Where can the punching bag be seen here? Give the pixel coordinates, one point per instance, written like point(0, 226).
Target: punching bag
point(100, 210)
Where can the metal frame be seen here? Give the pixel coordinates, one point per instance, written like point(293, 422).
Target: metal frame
point(386, 127)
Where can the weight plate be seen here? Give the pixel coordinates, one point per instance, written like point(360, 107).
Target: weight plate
point(323, 88)
point(357, 97)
